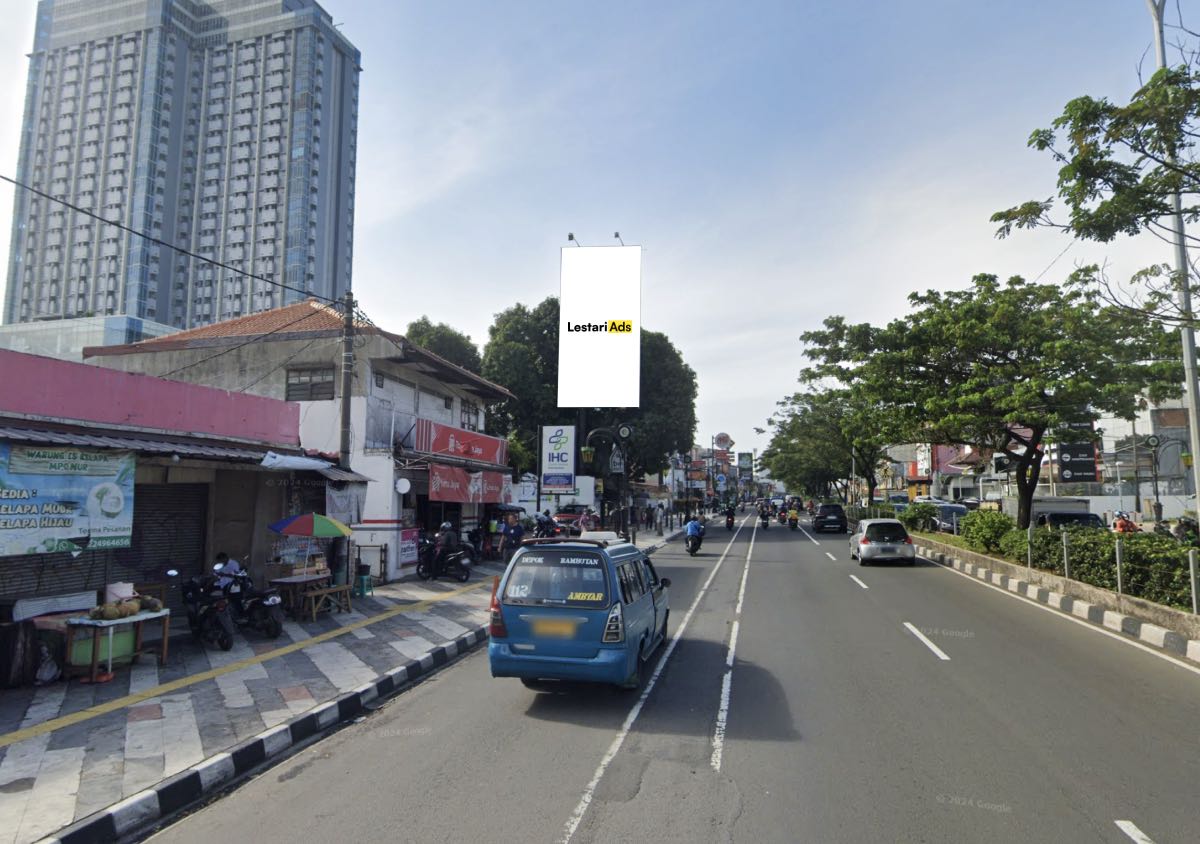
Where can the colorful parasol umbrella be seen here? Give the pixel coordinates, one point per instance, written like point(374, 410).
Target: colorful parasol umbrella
point(310, 524)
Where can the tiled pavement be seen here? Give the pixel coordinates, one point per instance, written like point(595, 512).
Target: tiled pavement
point(50, 780)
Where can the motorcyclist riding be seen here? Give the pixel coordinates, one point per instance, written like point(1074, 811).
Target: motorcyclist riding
point(694, 528)
point(447, 543)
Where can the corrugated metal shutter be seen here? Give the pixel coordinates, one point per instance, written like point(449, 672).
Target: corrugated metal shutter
point(169, 525)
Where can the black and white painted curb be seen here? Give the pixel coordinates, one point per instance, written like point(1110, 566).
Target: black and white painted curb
point(176, 793)
point(1143, 631)
point(187, 787)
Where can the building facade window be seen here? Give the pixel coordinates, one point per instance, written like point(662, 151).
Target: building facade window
point(310, 384)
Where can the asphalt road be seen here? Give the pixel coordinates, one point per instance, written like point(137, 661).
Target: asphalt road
point(839, 724)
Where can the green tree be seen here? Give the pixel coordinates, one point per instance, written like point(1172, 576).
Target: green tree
point(1121, 168)
point(522, 354)
point(445, 342)
point(665, 422)
point(820, 437)
point(1001, 366)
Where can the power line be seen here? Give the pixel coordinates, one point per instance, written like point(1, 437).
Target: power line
point(180, 250)
point(287, 360)
point(253, 339)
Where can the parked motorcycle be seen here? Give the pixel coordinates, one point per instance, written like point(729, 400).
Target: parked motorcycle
point(207, 609)
point(457, 563)
point(260, 608)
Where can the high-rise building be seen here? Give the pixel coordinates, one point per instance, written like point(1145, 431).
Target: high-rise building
point(223, 127)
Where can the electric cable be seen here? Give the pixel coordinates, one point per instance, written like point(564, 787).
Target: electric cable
point(180, 250)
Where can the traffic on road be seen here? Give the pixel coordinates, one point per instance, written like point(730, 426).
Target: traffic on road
point(769, 688)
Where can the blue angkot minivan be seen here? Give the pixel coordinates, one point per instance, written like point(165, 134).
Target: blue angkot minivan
point(577, 609)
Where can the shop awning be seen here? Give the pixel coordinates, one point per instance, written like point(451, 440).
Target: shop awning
point(184, 447)
point(328, 470)
point(334, 473)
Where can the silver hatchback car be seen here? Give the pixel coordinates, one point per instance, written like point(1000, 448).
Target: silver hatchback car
point(876, 540)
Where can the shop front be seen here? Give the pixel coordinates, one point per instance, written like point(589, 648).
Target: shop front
point(439, 474)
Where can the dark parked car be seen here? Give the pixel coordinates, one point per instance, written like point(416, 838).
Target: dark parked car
point(829, 517)
point(949, 515)
point(1058, 521)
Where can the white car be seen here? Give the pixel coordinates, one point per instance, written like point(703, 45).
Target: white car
point(876, 540)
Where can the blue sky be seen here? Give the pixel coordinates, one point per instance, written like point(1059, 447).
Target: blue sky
point(778, 161)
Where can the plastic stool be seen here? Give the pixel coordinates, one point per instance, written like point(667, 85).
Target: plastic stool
point(364, 586)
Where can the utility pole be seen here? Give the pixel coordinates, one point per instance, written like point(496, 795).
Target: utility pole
point(347, 378)
point(1186, 331)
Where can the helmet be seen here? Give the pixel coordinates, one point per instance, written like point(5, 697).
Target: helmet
point(446, 526)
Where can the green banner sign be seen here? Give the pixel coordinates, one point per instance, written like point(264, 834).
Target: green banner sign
point(64, 499)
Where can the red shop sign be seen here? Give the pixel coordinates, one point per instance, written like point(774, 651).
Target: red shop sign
point(434, 438)
point(449, 483)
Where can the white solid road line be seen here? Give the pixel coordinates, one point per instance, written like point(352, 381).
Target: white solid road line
point(940, 653)
point(1135, 834)
point(859, 582)
point(830, 556)
point(1059, 614)
point(586, 799)
point(718, 742)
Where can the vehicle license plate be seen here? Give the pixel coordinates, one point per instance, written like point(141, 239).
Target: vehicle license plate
point(889, 549)
point(556, 628)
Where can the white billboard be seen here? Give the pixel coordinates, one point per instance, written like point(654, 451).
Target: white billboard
point(558, 458)
point(600, 326)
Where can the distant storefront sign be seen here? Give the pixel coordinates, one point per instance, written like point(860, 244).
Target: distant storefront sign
point(449, 483)
point(558, 458)
point(745, 462)
point(64, 499)
point(1077, 460)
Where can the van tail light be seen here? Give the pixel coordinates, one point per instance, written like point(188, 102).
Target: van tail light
point(496, 628)
point(614, 627)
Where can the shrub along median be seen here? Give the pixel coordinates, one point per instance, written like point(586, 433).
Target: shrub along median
point(1153, 568)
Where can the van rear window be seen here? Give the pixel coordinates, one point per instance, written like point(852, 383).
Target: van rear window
point(557, 577)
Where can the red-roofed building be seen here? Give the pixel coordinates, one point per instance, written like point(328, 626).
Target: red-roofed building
point(111, 476)
point(417, 420)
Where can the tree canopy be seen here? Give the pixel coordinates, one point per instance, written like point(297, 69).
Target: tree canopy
point(445, 342)
point(1121, 167)
point(522, 354)
point(1003, 366)
point(824, 436)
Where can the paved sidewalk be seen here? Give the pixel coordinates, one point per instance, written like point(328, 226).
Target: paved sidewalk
point(69, 749)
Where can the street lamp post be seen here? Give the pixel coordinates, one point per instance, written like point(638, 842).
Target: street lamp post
point(617, 437)
point(1120, 487)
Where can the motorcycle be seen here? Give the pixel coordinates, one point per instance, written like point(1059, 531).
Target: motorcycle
point(782, 516)
point(207, 610)
point(457, 563)
point(793, 522)
point(765, 518)
point(693, 545)
point(729, 523)
point(260, 609)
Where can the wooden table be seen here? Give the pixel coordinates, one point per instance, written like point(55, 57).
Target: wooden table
point(98, 624)
point(326, 598)
point(292, 589)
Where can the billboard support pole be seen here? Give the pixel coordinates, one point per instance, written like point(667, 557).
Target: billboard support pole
point(538, 507)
